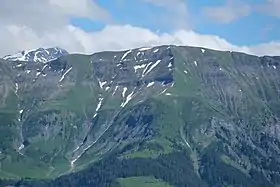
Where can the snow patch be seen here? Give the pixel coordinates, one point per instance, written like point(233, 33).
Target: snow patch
point(38, 73)
point(19, 65)
point(202, 50)
point(107, 88)
point(150, 84)
point(274, 67)
point(169, 65)
point(195, 63)
point(27, 71)
point(185, 72)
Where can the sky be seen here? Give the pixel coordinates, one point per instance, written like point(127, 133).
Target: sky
point(88, 26)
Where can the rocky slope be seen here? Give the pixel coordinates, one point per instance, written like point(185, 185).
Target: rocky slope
point(218, 112)
point(37, 55)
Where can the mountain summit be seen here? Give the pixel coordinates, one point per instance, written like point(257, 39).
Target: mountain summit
point(182, 116)
point(37, 55)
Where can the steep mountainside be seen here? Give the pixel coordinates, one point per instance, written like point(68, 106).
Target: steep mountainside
point(186, 116)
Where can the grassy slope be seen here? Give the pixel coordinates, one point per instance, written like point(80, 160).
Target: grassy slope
point(141, 182)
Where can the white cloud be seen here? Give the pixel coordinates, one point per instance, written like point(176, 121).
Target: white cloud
point(231, 11)
point(271, 7)
point(19, 32)
point(176, 15)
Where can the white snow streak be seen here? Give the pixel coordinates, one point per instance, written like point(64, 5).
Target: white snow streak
point(202, 50)
point(185, 72)
point(115, 90)
point(143, 74)
point(156, 50)
point(150, 84)
point(169, 65)
point(16, 87)
point(99, 104)
point(136, 67)
point(128, 98)
point(124, 90)
point(195, 63)
point(153, 66)
point(61, 79)
point(125, 54)
point(102, 84)
point(144, 48)
point(21, 147)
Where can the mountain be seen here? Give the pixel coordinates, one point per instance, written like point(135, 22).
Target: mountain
point(37, 55)
point(167, 116)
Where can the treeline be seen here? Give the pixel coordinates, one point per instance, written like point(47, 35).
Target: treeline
point(175, 168)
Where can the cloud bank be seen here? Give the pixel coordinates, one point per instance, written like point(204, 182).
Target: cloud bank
point(46, 23)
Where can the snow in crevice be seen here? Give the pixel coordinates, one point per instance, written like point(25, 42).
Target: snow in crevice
point(128, 98)
point(153, 66)
point(162, 91)
point(202, 50)
point(99, 104)
point(44, 67)
point(143, 74)
point(16, 88)
point(185, 72)
point(116, 88)
point(125, 54)
point(195, 63)
point(89, 146)
point(77, 148)
point(168, 94)
point(107, 88)
point(19, 65)
point(150, 84)
point(274, 67)
point(27, 71)
point(63, 76)
point(124, 91)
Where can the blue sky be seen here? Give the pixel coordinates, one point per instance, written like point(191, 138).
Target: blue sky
point(253, 28)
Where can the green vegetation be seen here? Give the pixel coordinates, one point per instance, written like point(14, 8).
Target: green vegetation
point(142, 182)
